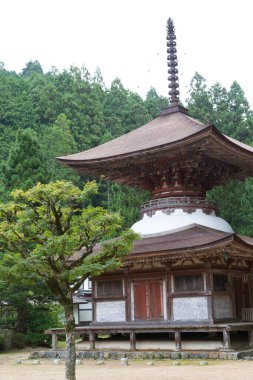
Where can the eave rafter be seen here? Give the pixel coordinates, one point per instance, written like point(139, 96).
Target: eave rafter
point(228, 247)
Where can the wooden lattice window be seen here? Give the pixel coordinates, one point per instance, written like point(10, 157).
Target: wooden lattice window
point(188, 283)
point(109, 288)
point(220, 282)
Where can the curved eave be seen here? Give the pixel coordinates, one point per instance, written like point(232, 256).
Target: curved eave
point(193, 238)
point(140, 153)
point(210, 140)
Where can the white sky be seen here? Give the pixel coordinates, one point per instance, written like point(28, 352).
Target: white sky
point(127, 38)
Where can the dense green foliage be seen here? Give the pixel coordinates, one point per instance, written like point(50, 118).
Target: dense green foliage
point(41, 230)
point(228, 111)
point(43, 116)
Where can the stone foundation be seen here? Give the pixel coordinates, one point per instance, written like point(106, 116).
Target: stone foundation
point(156, 355)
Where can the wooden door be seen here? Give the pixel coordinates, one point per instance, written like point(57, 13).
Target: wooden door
point(148, 300)
point(238, 290)
point(246, 292)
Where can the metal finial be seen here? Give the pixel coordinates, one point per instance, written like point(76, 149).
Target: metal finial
point(172, 63)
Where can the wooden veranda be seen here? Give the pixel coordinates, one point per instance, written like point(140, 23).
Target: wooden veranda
point(177, 329)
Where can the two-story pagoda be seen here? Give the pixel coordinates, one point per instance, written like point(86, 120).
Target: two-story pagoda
point(191, 271)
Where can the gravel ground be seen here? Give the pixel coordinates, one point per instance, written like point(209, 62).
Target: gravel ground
point(113, 370)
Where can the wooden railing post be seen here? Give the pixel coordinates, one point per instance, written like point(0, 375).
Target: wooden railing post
point(226, 340)
point(178, 340)
point(250, 335)
point(92, 340)
point(132, 340)
point(54, 341)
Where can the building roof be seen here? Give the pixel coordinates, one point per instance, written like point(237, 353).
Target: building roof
point(77, 298)
point(191, 237)
point(163, 130)
point(186, 242)
point(190, 242)
point(167, 135)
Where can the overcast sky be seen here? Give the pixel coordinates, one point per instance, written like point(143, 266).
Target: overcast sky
point(127, 39)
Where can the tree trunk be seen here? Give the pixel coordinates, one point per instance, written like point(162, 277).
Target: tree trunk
point(21, 319)
point(70, 342)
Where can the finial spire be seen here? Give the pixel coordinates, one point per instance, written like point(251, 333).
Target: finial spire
point(172, 63)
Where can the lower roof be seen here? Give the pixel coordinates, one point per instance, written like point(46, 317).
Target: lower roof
point(192, 239)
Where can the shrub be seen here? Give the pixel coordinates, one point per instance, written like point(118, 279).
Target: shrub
point(18, 340)
point(38, 339)
point(2, 342)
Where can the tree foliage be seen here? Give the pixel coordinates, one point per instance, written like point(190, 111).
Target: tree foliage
point(49, 233)
point(229, 111)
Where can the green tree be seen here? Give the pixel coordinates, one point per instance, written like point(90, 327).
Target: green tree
point(25, 164)
point(154, 103)
point(31, 68)
point(47, 232)
point(199, 101)
point(57, 140)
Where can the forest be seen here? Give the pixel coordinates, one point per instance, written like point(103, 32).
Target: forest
point(45, 115)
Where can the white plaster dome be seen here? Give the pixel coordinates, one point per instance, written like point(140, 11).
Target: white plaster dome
point(161, 223)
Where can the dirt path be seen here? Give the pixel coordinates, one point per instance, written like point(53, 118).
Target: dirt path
point(113, 370)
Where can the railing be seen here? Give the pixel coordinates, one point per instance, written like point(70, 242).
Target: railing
point(177, 202)
point(247, 314)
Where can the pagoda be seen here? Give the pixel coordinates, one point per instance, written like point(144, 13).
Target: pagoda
point(190, 272)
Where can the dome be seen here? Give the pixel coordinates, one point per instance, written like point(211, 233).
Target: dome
point(161, 223)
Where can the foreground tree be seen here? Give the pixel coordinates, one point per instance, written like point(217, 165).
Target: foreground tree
point(50, 232)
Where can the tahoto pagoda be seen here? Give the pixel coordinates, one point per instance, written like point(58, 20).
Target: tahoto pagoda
point(190, 272)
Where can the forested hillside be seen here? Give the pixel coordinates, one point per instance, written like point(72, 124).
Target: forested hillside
point(44, 115)
point(47, 115)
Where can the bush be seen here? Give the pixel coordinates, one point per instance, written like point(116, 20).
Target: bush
point(2, 342)
point(18, 340)
point(38, 339)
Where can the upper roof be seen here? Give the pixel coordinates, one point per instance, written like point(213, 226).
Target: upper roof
point(161, 131)
point(167, 134)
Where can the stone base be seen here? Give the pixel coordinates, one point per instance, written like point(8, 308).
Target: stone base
point(156, 355)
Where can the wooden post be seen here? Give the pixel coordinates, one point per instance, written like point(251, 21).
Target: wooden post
point(54, 341)
point(92, 340)
point(178, 340)
point(250, 335)
point(132, 340)
point(226, 340)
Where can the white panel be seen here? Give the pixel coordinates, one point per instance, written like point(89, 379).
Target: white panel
point(112, 311)
point(222, 307)
point(190, 308)
point(85, 315)
point(76, 314)
point(85, 306)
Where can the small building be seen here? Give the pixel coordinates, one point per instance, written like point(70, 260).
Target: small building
point(190, 272)
point(83, 304)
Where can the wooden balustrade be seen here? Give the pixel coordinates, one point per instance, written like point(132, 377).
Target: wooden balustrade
point(247, 314)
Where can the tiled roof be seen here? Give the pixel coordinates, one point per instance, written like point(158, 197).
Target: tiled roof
point(163, 130)
point(192, 237)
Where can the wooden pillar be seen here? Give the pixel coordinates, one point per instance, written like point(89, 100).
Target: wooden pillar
point(132, 340)
point(178, 340)
point(226, 340)
point(92, 340)
point(250, 335)
point(54, 341)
